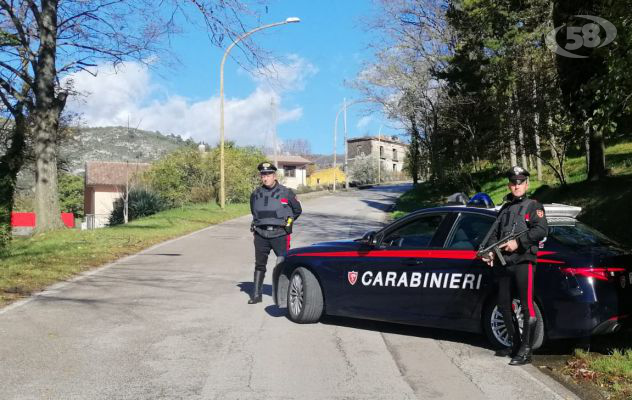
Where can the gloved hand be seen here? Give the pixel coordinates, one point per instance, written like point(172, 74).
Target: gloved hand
point(288, 225)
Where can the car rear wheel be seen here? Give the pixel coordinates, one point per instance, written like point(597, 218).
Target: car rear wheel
point(496, 330)
point(304, 297)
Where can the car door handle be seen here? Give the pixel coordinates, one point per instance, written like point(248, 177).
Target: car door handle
point(412, 261)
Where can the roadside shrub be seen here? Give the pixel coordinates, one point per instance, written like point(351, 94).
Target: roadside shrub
point(363, 170)
point(141, 203)
point(189, 176)
point(174, 177)
point(71, 193)
point(242, 176)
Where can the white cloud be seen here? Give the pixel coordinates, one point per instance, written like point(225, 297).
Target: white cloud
point(285, 76)
point(112, 97)
point(364, 122)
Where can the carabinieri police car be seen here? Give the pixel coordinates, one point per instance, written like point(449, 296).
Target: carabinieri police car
point(422, 270)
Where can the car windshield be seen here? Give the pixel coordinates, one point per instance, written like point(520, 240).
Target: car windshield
point(576, 234)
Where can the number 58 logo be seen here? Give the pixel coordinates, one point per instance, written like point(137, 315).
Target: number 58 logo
point(587, 35)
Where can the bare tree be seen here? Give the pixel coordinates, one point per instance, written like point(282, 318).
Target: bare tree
point(45, 41)
point(299, 147)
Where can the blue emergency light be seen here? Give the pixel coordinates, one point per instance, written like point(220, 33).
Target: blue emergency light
point(481, 200)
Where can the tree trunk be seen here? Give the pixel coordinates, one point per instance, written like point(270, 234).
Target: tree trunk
point(48, 107)
point(587, 150)
point(10, 164)
point(512, 151)
point(538, 149)
point(597, 155)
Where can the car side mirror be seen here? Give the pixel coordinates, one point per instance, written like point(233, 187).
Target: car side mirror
point(369, 238)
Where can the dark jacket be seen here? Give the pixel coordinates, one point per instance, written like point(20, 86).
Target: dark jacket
point(521, 213)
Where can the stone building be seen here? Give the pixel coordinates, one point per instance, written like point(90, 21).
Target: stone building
point(390, 149)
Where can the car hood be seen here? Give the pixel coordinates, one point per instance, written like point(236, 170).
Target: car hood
point(336, 245)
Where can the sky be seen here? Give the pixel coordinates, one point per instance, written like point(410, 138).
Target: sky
point(313, 60)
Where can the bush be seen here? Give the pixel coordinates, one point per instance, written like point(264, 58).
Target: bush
point(363, 170)
point(141, 204)
point(242, 176)
point(174, 177)
point(188, 176)
point(71, 194)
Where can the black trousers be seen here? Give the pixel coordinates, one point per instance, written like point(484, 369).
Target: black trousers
point(516, 281)
point(279, 245)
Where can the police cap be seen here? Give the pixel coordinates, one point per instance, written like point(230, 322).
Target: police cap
point(266, 168)
point(517, 174)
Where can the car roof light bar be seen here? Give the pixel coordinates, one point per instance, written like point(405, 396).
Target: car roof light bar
point(561, 210)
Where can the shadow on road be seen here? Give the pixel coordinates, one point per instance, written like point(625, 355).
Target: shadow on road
point(246, 287)
point(275, 311)
point(408, 330)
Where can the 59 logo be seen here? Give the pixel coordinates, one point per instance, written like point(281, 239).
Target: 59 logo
point(589, 35)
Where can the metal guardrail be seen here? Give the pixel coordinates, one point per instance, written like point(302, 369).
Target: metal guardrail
point(94, 221)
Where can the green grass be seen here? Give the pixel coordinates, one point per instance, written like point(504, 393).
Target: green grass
point(611, 373)
point(34, 263)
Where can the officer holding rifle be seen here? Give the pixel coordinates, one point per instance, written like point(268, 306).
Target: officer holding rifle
point(274, 209)
point(520, 226)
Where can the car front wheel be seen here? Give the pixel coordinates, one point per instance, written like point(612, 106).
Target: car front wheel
point(496, 330)
point(304, 297)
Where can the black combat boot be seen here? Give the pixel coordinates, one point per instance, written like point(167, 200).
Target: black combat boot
point(526, 349)
point(514, 333)
point(255, 297)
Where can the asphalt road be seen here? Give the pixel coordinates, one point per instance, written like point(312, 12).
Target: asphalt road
point(172, 322)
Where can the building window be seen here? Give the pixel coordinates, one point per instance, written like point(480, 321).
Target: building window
point(394, 154)
point(394, 167)
point(289, 171)
point(381, 151)
point(359, 150)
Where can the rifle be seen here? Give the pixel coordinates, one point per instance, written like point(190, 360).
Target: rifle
point(495, 247)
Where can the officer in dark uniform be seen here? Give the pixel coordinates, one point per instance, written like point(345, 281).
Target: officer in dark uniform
point(274, 209)
point(517, 214)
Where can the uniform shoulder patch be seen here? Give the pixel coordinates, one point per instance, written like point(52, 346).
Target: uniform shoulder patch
point(540, 213)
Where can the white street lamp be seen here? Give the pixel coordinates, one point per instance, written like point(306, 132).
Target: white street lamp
point(222, 187)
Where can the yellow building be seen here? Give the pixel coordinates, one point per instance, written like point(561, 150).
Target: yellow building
point(325, 177)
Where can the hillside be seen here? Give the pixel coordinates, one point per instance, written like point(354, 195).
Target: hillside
point(108, 144)
point(116, 144)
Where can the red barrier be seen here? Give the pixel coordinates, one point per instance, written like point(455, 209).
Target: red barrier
point(22, 219)
point(68, 219)
point(27, 219)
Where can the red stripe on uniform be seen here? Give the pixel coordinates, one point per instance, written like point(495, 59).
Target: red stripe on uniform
point(287, 242)
point(530, 291)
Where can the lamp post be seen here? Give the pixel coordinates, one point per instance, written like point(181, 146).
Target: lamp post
point(222, 184)
point(344, 109)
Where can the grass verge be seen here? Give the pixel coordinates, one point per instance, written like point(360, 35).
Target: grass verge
point(33, 263)
point(612, 374)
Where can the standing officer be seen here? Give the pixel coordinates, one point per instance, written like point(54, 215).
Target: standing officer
point(274, 209)
point(517, 214)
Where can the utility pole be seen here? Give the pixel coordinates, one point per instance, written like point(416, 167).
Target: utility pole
point(335, 137)
point(273, 131)
point(344, 104)
point(379, 155)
